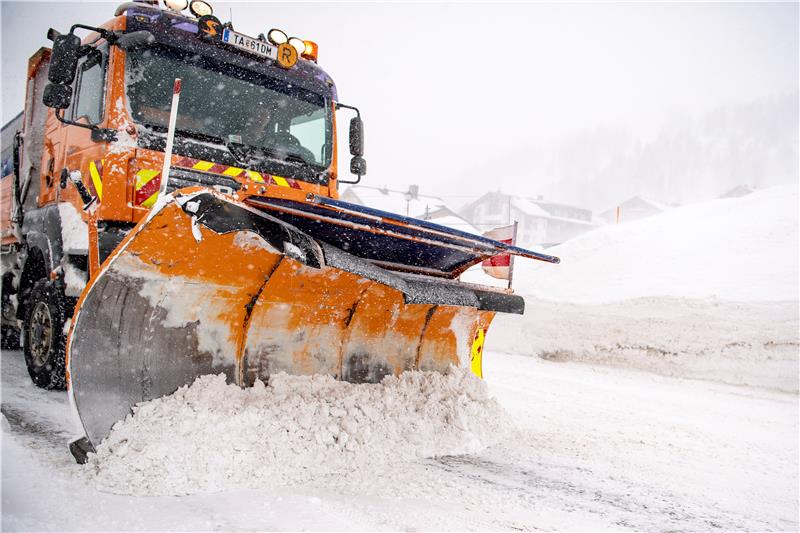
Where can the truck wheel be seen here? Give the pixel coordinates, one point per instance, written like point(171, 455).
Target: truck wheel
point(45, 342)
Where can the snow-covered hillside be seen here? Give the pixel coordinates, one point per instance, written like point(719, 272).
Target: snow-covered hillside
point(704, 291)
point(740, 249)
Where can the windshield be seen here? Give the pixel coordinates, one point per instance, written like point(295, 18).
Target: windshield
point(233, 105)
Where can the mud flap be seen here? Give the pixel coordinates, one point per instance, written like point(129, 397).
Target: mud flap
point(207, 285)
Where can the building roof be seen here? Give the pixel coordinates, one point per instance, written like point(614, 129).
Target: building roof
point(636, 201)
point(532, 208)
point(393, 201)
point(528, 207)
point(455, 222)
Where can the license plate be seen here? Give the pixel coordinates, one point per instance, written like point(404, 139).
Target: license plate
point(248, 44)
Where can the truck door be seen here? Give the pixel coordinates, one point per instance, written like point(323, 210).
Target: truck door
point(88, 107)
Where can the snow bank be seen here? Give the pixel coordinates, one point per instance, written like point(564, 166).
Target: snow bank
point(738, 343)
point(740, 249)
point(212, 436)
point(705, 291)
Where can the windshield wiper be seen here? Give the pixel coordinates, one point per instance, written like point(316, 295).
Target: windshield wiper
point(200, 136)
point(244, 153)
point(284, 156)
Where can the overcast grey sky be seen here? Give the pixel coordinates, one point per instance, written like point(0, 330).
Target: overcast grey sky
point(446, 87)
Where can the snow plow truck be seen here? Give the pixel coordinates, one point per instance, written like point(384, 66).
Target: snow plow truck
point(155, 230)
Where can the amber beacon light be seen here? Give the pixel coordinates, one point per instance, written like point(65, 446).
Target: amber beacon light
point(310, 51)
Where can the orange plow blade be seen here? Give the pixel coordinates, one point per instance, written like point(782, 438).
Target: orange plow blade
point(209, 285)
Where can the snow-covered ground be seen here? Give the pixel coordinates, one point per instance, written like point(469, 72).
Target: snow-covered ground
point(592, 448)
point(651, 385)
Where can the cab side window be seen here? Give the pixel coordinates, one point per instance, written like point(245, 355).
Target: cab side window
point(89, 88)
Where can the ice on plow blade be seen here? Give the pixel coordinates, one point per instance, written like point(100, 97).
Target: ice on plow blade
point(207, 285)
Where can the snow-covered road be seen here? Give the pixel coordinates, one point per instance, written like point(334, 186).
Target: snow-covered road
point(594, 448)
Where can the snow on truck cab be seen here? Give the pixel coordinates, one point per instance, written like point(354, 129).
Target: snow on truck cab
point(250, 264)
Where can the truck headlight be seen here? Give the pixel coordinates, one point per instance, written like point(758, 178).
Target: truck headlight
point(200, 8)
point(176, 5)
point(298, 44)
point(277, 37)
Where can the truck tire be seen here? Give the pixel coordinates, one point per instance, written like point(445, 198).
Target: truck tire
point(46, 312)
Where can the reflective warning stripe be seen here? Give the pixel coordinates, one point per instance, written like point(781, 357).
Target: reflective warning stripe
point(148, 180)
point(232, 171)
point(203, 165)
point(145, 176)
point(96, 173)
point(255, 176)
point(280, 181)
point(235, 172)
point(146, 187)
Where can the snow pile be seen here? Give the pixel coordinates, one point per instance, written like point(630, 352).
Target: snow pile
point(212, 436)
point(740, 249)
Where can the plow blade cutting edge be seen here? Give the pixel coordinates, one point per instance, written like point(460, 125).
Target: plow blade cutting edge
point(208, 285)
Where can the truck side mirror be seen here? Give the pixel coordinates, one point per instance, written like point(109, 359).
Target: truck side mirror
point(356, 136)
point(57, 96)
point(358, 166)
point(64, 59)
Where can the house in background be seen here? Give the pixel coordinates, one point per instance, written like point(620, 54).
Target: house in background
point(634, 208)
point(540, 222)
point(444, 216)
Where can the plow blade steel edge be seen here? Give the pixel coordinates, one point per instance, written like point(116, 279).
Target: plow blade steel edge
point(206, 285)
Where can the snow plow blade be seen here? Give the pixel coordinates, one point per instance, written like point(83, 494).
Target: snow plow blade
point(206, 285)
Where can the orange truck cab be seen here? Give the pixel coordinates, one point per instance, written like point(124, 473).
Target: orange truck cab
point(82, 163)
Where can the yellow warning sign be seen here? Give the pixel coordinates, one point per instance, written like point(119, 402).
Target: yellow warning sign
point(287, 55)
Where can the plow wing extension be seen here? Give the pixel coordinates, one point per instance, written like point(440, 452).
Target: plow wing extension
point(208, 285)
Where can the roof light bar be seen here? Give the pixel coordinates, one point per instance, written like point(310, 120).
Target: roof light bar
point(200, 8)
point(176, 5)
point(298, 44)
point(277, 37)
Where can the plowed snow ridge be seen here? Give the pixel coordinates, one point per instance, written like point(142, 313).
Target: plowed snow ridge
point(213, 436)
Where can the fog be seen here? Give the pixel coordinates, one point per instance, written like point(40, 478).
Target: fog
point(584, 104)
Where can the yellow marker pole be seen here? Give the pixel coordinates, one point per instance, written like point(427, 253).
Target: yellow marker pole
point(476, 355)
